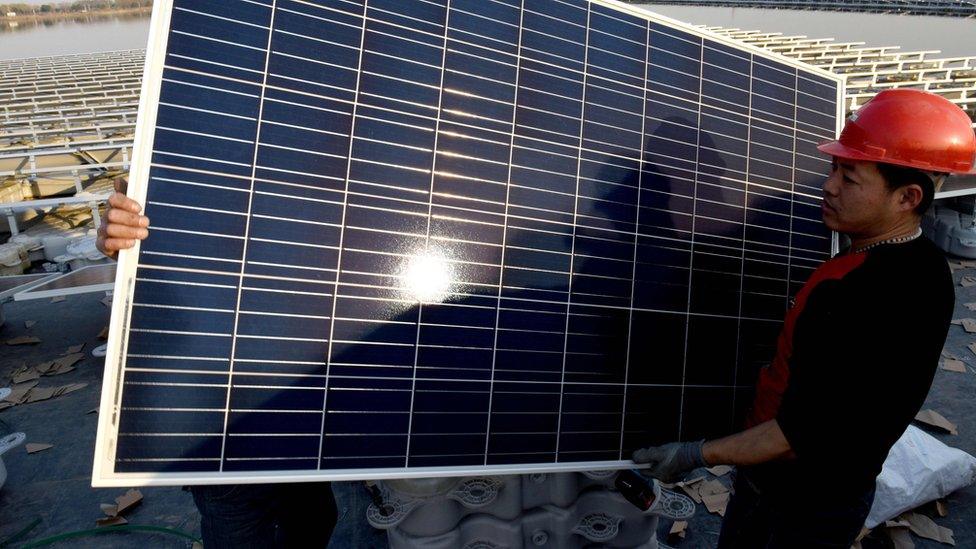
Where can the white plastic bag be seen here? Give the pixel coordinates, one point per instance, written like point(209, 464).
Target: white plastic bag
point(918, 469)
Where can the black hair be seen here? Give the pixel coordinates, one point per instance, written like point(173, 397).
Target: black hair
point(897, 177)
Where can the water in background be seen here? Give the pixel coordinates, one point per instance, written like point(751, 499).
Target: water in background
point(954, 36)
point(78, 35)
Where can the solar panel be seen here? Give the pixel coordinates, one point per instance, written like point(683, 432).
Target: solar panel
point(451, 237)
point(88, 279)
point(10, 285)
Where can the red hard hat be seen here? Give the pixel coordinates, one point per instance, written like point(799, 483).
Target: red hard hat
point(909, 128)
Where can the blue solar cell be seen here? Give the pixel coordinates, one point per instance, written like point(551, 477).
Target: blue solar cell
point(182, 451)
point(255, 13)
point(767, 72)
point(201, 23)
point(612, 53)
point(805, 114)
point(673, 85)
point(321, 20)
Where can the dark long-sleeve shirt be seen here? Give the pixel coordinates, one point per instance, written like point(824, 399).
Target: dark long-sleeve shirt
point(854, 363)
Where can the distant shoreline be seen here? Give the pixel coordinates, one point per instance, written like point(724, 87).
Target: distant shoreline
point(58, 16)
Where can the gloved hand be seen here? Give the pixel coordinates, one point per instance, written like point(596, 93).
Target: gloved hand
point(671, 460)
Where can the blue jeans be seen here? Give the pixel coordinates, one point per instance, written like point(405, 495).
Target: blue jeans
point(807, 517)
point(353, 531)
point(258, 516)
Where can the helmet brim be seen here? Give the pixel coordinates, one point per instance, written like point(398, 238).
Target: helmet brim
point(838, 150)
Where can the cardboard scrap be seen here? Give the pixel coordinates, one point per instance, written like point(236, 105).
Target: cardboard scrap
point(110, 521)
point(715, 496)
point(122, 504)
point(77, 348)
point(128, 500)
point(690, 488)
point(900, 538)
point(719, 470)
point(924, 527)
point(29, 324)
point(44, 393)
point(969, 325)
point(712, 487)
point(25, 393)
point(57, 299)
point(104, 333)
point(678, 529)
point(18, 393)
point(58, 370)
point(35, 447)
point(941, 507)
point(932, 418)
point(23, 340)
point(24, 374)
point(968, 281)
point(58, 366)
point(67, 389)
point(954, 365)
point(967, 263)
point(69, 360)
point(717, 503)
point(39, 394)
point(44, 367)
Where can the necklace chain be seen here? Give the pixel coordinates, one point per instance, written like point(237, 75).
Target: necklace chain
point(895, 240)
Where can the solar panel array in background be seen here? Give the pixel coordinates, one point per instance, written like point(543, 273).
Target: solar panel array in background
point(580, 173)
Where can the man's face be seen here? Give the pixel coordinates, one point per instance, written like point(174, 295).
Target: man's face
point(857, 201)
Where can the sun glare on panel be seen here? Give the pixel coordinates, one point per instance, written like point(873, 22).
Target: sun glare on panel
point(427, 277)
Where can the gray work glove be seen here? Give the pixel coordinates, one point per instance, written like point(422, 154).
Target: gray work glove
point(671, 460)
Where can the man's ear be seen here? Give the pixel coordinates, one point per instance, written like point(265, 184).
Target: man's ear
point(909, 197)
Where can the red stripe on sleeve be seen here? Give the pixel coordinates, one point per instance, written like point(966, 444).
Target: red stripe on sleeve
point(774, 378)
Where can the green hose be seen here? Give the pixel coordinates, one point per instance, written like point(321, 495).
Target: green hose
point(108, 530)
point(16, 537)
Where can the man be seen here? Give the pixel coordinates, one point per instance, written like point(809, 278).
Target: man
point(858, 349)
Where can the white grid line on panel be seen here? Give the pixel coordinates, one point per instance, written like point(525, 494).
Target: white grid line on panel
point(501, 274)
point(240, 284)
point(430, 208)
point(742, 272)
point(572, 258)
point(691, 253)
point(633, 274)
point(342, 234)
